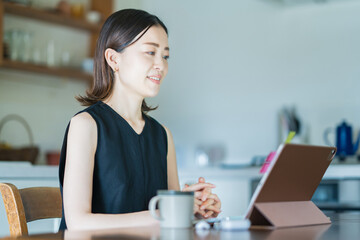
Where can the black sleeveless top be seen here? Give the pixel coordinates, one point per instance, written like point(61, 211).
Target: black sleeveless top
point(129, 168)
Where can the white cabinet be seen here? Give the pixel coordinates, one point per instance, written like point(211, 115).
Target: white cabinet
point(22, 176)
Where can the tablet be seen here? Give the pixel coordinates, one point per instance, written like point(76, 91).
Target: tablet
point(293, 175)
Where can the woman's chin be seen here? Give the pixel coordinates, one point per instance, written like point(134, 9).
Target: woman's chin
point(152, 93)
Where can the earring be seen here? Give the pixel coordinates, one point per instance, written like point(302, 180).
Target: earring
point(116, 69)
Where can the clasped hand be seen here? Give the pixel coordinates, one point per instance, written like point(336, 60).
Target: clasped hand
point(206, 203)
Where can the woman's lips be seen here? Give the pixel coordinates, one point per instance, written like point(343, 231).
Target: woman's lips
point(154, 79)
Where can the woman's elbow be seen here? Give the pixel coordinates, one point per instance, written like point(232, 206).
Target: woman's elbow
point(77, 222)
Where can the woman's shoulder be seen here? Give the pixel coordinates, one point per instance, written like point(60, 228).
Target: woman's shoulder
point(83, 120)
point(168, 133)
point(154, 122)
point(83, 128)
point(160, 125)
point(85, 115)
point(82, 117)
point(91, 108)
point(156, 125)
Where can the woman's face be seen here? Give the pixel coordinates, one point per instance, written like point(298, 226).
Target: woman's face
point(144, 64)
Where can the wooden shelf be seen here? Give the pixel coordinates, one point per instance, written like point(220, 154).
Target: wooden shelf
point(102, 6)
point(55, 71)
point(52, 17)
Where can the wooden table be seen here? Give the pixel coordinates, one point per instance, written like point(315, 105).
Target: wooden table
point(344, 226)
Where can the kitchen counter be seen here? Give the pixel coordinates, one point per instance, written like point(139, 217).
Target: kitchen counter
point(335, 171)
point(26, 170)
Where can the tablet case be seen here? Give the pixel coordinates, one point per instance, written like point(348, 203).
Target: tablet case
point(283, 196)
point(287, 214)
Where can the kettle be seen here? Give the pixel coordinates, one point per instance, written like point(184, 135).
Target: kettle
point(344, 140)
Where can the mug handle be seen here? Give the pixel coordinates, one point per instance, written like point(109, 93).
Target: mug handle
point(152, 208)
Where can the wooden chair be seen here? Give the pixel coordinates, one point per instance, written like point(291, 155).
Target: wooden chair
point(29, 204)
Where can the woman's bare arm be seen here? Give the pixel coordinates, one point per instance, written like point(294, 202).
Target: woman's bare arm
point(173, 178)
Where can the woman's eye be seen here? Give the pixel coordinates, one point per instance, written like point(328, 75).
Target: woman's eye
point(166, 57)
point(151, 53)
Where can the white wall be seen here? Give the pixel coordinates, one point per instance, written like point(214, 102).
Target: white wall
point(121, 4)
point(235, 64)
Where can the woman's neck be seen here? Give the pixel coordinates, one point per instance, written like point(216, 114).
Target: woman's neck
point(126, 104)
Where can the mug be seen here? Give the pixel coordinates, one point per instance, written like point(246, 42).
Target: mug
point(176, 208)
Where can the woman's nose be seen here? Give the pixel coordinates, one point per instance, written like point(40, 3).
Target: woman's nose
point(159, 63)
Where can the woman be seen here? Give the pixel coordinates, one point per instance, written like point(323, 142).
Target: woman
point(114, 156)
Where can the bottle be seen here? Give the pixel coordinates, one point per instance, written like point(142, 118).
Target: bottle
point(50, 54)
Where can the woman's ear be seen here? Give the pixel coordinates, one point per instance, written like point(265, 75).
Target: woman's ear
point(112, 59)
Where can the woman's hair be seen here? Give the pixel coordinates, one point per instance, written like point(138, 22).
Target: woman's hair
point(118, 32)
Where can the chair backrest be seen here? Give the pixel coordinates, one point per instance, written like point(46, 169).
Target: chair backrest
point(29, 204)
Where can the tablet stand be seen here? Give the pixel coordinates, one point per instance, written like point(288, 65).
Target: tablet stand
point(286, 214)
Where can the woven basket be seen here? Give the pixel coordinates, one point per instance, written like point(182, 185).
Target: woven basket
point(28, 153)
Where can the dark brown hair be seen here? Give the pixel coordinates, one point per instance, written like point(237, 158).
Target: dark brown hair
point(118, 32)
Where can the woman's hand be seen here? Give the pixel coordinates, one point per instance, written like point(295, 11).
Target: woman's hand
point(206, 204)
point(210, 204)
